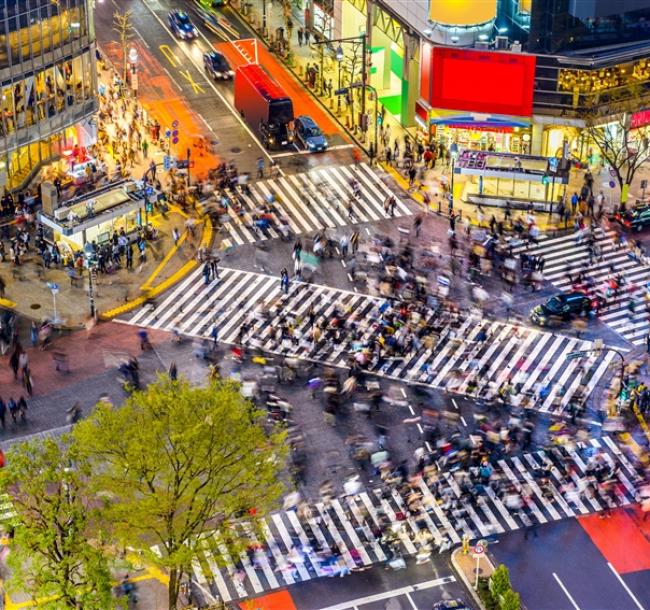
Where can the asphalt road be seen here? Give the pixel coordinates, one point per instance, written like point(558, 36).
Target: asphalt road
point(183, 62)
point(417, 587)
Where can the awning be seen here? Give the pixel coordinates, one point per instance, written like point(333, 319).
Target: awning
point(486, 122)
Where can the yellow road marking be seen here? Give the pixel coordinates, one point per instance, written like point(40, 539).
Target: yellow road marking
point(164, 261)
point(190, 79)
point(170, 56)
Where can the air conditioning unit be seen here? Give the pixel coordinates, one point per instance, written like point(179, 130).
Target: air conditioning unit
point(484, 45)
point(516, 47)
point(501, 42)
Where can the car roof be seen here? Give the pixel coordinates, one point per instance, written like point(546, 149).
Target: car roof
point(307, 120)
point(179, 13)
point(216, 54)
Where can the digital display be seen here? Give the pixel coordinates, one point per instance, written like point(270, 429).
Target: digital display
point(482, 82)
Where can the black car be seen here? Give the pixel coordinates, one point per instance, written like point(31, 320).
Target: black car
point(564, 306)
point(635, 219)
point(217, 66)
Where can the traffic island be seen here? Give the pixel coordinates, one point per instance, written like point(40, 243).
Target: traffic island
point(489, 585)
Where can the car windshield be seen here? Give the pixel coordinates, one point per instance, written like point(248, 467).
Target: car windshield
point(182, 18)
point(219, 62)
point(554, 304)
point(312, 132)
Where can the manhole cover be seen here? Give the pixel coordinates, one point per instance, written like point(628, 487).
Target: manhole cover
point(35, 306)
point(235, 150)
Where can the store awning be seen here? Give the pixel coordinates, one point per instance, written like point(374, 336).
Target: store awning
point(484, 122)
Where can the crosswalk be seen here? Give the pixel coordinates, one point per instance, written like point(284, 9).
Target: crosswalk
point(310, 202)
point(295, 546)
point(532, 360)
point(565, 255)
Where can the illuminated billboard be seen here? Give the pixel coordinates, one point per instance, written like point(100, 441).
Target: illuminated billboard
point(462, 12)
point(482, 81)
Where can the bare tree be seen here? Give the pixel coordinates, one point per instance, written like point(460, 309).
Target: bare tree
point(123, 25)
point(624, 148)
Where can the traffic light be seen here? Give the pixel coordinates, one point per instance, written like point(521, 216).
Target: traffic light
point(545, 179)
point(148, 206)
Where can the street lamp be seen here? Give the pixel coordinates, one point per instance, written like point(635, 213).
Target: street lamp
point(339, 59)
point(454, 156)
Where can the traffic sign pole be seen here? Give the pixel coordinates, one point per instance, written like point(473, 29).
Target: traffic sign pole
point(478, 552)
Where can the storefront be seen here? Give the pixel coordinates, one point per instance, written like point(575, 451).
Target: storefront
point(478, 100)
point(492, 179)
point(95, 217)
point(478, 132)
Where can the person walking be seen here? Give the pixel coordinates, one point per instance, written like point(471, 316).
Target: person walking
point(206, 273)
point(214, 267)
point(284, 280)
point(3, 414)
point(417, 225)
point(354, 241)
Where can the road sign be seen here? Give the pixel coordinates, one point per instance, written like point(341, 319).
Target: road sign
point(478, 549)
point(175, 124)
point(54, 287)
point(612, 184)
point(175, 133)
point(174, 140)
point(168, 133)
point(166, 163)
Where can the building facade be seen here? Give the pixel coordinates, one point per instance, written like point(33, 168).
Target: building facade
point(505, 75)
point(48, 81)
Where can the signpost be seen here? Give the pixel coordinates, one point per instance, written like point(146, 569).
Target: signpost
point(54, 287)
point(477, 552)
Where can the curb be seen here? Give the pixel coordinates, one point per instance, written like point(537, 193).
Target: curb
point(463, 577)
point(206, 239)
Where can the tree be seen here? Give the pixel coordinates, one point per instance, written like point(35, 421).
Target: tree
point(499, 581)
point(56, 553)
point(123, 25)
point(178, 462)
point(510, 601)
point(623, 147)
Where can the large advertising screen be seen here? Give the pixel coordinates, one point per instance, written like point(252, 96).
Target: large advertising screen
point(482, 81)
point(462, 12)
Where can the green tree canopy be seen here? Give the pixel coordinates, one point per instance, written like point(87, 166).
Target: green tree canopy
point(178, 461)
point(56, 555)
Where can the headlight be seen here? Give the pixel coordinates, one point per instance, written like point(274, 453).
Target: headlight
point(194, 31)
point(311, 145)
point(325, 144)
point(271, 139)
point(218, 74)
point(290, 138)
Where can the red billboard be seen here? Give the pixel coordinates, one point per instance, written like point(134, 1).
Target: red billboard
point(640, 119)
point(482, 81)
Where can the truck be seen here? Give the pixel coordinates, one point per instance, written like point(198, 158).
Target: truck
point(264, 105)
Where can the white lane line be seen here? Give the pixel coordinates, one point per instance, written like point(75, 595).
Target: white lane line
point(369, 599)
point(408, 596)
point(638, 604)
point(566, 592)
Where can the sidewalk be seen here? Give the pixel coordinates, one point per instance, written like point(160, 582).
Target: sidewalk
point(26, 290)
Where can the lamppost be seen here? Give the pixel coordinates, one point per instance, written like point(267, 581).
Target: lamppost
point(263, 18)
point(339, 59)
point(454, 156)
